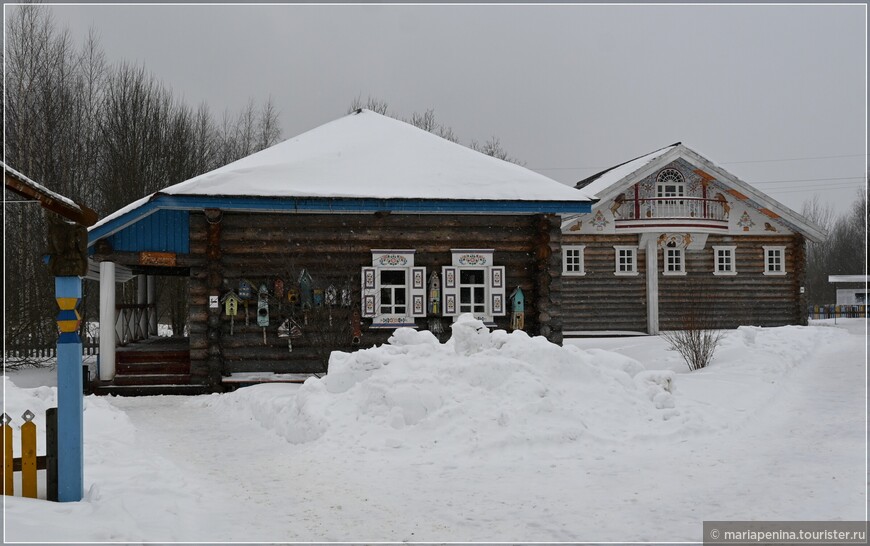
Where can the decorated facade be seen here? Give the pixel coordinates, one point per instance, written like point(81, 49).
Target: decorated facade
point(675, 238)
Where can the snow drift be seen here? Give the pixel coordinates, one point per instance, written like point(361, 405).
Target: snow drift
point(478, 390)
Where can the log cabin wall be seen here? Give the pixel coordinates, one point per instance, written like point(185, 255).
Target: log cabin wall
point(333, 249)
point(600, 300)
point(748, 298)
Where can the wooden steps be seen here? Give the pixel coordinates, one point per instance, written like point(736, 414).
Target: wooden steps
point(155, 367)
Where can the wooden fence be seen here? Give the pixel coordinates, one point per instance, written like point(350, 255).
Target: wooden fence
point(30, 462)
point(90, 346)
point(837, 311)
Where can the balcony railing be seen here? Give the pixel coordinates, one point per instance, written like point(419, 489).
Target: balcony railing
point(672, 207)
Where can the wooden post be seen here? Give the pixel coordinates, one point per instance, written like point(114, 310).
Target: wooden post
point(652, 286)
point(51, 454)
point(28, 456)
point(8, 482)
point(152, 301)
point(70, 400)
point(214, 282)
point(142, 299)
point(107, 321)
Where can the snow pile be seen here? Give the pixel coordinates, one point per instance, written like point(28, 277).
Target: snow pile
point(479, 390)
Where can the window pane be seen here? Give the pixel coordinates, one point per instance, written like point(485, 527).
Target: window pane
point(471, 276)
point(399, 310)
point(478, 295)
point(464, 294)
point(392, 277)
point(400, 295)
point(386, 296)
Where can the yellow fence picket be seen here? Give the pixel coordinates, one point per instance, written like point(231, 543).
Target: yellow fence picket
point(28, 456)
point(8, 462)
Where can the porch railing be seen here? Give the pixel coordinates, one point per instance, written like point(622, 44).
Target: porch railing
point(133, 322)
point(672, 207)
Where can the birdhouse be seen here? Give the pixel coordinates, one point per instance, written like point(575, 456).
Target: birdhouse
point(318, 298)
point(331, 295)
point(244, 289)
point(263, 306)
point(434, 307)
point(345, 297)
point(279, 289)
point(518, 300)
point(293, 296)
point(306, 293)
point(231, 303)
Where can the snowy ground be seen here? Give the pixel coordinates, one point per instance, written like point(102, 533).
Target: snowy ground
point(490, 437)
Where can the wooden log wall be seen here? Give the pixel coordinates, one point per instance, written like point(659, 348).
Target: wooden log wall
point(601, 300)
point(333, 249)
point(748, 298)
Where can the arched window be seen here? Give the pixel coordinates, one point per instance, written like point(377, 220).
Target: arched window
point(670, 183)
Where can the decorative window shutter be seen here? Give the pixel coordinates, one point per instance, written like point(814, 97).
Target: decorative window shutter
point(497, 291)
point(450, 291)
point(369, 292)
point(418, 292)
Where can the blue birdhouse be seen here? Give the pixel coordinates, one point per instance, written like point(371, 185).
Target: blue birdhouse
point(518, 300)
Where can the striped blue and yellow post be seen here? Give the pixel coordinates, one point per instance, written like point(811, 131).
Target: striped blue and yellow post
point(70, 400)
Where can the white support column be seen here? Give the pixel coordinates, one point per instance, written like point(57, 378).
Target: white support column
point(142, 299)
point(107, 321)
point(152, 300)
point(652, 286)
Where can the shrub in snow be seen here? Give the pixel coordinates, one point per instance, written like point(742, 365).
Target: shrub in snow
point(696, 338)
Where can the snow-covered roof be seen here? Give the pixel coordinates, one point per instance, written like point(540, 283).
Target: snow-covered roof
point(51, 200)
point(608, 177)
point(609, 183)
point(365, 155)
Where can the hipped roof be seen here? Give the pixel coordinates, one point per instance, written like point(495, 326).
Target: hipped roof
point(365, 155)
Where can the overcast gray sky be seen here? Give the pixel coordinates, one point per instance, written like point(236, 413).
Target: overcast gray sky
point(569, 89)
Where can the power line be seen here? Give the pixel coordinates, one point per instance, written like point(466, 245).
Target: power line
point(721, 163)
point(810, 180)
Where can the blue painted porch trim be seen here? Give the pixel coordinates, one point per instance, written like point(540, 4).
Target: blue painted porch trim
point(336, 205)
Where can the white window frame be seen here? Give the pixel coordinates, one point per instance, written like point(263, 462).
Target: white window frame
point(484, 285)
point(580, 262)
point(494, 284)
point(732, 252)
point(681, 252)
point(415, 289)
point(770, 250)
point(633, 249)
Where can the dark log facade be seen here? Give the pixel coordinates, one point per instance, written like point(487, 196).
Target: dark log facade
point(600, 300)
point(333, 249)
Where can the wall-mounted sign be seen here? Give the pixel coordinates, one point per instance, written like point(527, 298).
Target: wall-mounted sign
point(163, 259)
point(213, 302)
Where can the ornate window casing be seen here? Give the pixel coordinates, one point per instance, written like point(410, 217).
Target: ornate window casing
point(393, 289)
point(724, 260)
point(670, 183)
point(626, 260)
point(573, 263)
point(774, 260)
point(472, 284)
point(674, 261)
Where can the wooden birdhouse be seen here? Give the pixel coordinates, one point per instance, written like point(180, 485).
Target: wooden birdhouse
point(231, 302)
point(434, 307)
point(293, 296)
point(263, 306)
point(331, 295)
point(518, 300)
point(245, 289)
point(306, 292)
point(279, 289)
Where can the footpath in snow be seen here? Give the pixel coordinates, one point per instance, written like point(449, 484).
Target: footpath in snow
point(488, 437)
